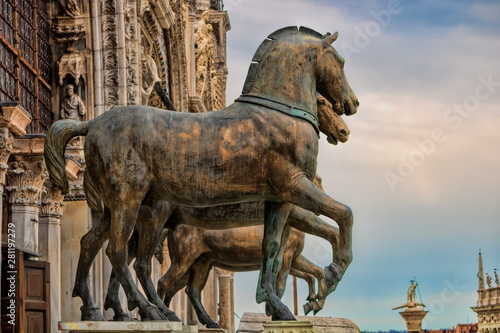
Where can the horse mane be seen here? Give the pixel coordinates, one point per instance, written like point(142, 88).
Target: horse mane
point(268, 45)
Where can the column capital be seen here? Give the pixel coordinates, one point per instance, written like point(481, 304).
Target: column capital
point(6, 146)
point(51, 201)
point(25, 179)
point(222, 273)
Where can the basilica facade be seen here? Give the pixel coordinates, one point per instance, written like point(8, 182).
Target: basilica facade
point(76, 59)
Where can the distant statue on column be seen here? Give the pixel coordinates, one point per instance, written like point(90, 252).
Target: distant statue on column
point(411, 292)
point(496, 278)
point(72, 106)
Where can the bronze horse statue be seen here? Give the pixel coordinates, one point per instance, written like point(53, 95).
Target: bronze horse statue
point(150, 222)
point(262, 147)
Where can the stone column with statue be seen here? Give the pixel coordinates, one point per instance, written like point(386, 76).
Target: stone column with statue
point(414, 312)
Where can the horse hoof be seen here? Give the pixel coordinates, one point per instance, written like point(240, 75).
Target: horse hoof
point(283, 314)
point(333, 275)
point(172, 316)
point(91, 314)
point(152, 313)
point(122, 317)
point(307, 308)
point(212, 325)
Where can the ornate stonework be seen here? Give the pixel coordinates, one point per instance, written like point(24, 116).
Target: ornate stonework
point(6, 142)
point(110, 56)
point(131, 44)
point(52, 201)
point(25, 179)
point(204, 58)
point(488, 301)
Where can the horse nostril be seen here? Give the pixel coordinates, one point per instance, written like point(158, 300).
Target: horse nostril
point(343, 132)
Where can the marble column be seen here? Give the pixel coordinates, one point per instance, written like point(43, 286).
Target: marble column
point(225, 292)
point(25, 178)
point(49, 246)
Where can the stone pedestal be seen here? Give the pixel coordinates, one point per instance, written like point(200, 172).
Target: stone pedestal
point(413, 318)
point(289, 327)
point(125, 327)
point(256, 323)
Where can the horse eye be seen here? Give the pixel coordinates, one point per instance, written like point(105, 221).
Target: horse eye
point(321, 102)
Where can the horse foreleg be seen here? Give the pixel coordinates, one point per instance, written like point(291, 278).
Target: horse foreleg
point(198, 276)
point(123, 218)
point(275, 218)
point(308, 196)
point(311, 224)
point(90, 244)
point(305, 269)
point(310, 280)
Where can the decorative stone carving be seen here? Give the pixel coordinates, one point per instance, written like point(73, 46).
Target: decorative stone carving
point(110, 55)
point(25, 179)
point(149, 75)
point(72, 64)
point(204, 54)
point(6, 142)
point(68, 31)
point(14, 117)
point(132, 43)
point(52, 201)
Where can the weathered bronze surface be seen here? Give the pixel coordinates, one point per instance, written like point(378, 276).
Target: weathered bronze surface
point(138, 155)
point(184, 251)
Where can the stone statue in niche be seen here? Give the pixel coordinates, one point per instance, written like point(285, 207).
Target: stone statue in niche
point(204, 52)
point(72, 106)
point(149, 75)
point(70, 8)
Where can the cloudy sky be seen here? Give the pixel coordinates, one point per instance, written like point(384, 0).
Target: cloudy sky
point(421, 170)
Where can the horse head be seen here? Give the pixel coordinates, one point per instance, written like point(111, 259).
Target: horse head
point(330, 123)
point(292, 65)
point(332, 82)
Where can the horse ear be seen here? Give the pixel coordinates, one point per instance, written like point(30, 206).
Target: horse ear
point(331, 38)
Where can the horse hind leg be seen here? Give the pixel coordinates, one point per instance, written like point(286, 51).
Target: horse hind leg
point(150, 224)
point(198, 276)
point(123, 218)
point(112, 300)
point(90, 244)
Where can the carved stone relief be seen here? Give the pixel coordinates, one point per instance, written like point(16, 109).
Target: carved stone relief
point(110, 56)
point(6, 141)
point(52, 201)
point(204, 50)
point(25, 179)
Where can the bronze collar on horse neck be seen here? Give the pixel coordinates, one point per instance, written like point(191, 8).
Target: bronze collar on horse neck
point(281, 107)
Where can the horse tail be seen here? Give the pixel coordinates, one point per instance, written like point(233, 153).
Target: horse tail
point(56, 140)
point(92, 194)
